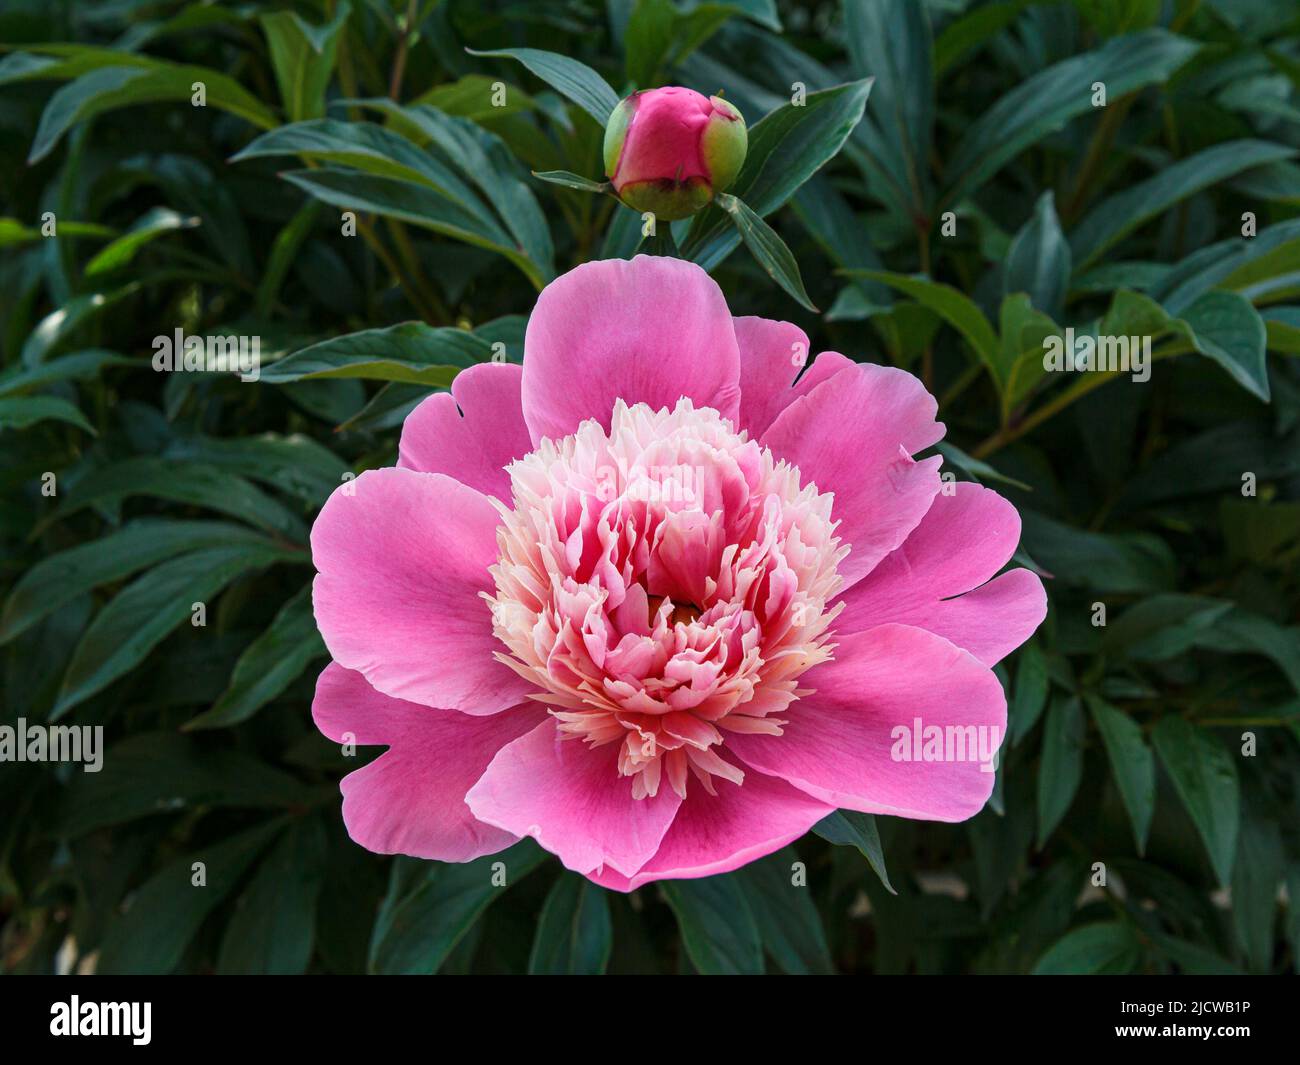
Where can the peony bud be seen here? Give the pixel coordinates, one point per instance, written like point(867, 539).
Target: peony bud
point(670, 150)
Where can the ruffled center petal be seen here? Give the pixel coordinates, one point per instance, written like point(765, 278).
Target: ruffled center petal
point(663, 583)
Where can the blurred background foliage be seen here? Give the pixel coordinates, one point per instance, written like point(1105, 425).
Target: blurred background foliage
point(1128, 741)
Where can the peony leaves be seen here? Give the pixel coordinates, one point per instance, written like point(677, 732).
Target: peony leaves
point(1205, 778)
point(411, 352)
point(574, 934)
point(567, 76)
point(717, 925)
point(430, 906)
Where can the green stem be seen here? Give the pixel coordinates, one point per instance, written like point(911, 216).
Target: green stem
point(1095, 379)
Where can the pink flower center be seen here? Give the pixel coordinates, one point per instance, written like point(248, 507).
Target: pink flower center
point(663, 584)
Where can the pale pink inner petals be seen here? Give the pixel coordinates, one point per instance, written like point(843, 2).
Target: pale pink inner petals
point(662, 585)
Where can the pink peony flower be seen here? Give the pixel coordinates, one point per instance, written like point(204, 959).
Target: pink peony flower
point(669, 150)
point(658, 599)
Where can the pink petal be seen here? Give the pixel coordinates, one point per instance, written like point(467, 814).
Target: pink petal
point(839, 743)
point(411, 799)
point(572, 800)
point(961, 542)
point(472, 432)
point(649, 330)
point(717, 833)
point(402, 557)
point(853, 434)
point(772, 354)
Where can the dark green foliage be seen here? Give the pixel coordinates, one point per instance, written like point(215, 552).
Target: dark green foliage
point(938, 177)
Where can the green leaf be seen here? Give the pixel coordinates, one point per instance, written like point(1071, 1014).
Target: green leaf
point(1205, 778)
point(486, 161)
point(270, 664)
point(1106, 948)
point(109, 88)
point(1020, 365)
point(788, 922)
point(716, 925)
point(430, 906)
point(1163, 626)
point(1233, 264)
point(977, 469)
point(648, 39)
point(1132, 765)
point(1256, 876)
point(849, 828)
point(60, 578)
point(22, 412)
point(64, 62)
point(786, 148)
point(1193, 959)
point(153, 773)
point(767, 248)
point(295, 464)
point(1258, 531)
point(1125, 211)
point(1047, 101)
point(954, 307)
point(972, 30)
point(1241, 632)
point(195, 483)
point(572, 181)
point(303, 58)
point(1062, 764)
point(891, 40)
point(165, 914)
point(1124, 562)
point(409, 202)
point(152, 224)
point(473, 96)
point(1220, 325)
point(574, 934)
point(1029, 695)
point(273, 926)
point(1226, 328)
point(411, 352)
point(1038, 263)
point(833, 223)
point(60, 324)
point(283, 252)
point(75, 367)
point(375, 150)
point(145, 613)
point(570, 78)
point(1223, 326)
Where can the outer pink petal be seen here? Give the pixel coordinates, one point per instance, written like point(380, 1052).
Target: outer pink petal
point(649, 330)
point(571, 799)
point(838, 742)
point(472, 432)
point(961, 542)
point(853, 434)
point(411, 800)
point(771, 355)
point(715, 834)
point(402, 557)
